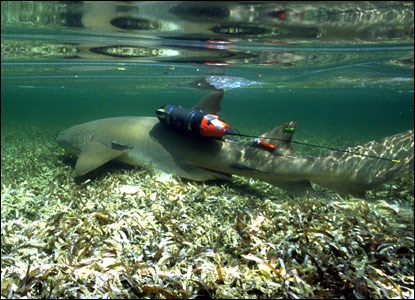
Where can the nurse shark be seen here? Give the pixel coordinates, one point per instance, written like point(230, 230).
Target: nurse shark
point(145, 141)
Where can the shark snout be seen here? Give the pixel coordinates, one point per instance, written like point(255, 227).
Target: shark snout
point(65, 140)
point(61, 139)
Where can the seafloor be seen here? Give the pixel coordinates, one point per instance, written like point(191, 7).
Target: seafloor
point(127, 233)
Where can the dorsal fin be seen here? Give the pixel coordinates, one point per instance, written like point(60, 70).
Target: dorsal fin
point(211, 103)
point(281, 137)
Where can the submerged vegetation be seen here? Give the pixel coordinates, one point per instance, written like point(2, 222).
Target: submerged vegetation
point(127, 233)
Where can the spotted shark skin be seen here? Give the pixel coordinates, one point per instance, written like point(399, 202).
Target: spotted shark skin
point(144, 141)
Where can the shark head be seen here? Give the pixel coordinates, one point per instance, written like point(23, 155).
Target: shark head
point(66, 140)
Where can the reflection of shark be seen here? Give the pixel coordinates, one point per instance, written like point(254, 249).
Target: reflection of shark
point(141, 141)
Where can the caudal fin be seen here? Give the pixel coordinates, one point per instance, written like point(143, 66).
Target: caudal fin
point(349, 173)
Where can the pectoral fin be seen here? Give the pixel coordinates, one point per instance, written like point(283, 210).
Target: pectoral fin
point(94, 155)
point(297, 188)
point(187, 170)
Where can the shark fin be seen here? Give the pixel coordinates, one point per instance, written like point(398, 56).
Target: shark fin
point(281, 137)
point(187, 170)
point(92, 156)
point(296, 188)
point(211, 103)
point(217, 174)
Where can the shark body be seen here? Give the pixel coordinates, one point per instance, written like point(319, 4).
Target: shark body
point(144, 141)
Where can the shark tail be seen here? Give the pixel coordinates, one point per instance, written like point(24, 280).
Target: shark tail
point(383, 160)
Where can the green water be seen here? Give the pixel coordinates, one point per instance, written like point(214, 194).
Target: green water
point(329, 110)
